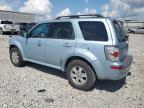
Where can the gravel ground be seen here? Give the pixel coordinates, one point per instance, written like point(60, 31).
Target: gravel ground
point(37, 86)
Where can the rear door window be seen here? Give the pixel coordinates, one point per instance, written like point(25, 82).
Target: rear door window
point(93, 30)
point(62, 30)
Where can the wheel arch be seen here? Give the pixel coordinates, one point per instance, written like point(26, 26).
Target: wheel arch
point(12, 46)
point(15, 46)
point(78, 58)
point(132, 31)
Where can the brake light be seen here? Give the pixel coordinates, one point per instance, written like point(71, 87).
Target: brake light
point(112, 53)
point(116, 67)
point(115, 54)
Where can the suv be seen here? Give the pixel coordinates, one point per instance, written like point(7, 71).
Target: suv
point(85, 47)
point(7, 27)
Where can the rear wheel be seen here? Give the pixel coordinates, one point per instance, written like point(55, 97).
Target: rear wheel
point(16, 57)
point(80, 75)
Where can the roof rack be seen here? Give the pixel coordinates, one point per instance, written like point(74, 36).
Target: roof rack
point(82, 16)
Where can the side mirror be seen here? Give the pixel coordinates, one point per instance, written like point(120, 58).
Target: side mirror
point(24, 34)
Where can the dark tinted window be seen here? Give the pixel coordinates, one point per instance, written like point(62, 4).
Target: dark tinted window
point(6, 22)
point(40, 31)
point(62, 30)
point(93, 30)
point(120, 31)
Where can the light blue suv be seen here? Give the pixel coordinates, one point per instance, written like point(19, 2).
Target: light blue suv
point(86, 47)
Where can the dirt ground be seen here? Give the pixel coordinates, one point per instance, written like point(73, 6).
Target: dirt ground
point(35, 86)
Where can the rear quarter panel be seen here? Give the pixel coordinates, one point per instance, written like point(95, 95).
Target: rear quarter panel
point(94, 50)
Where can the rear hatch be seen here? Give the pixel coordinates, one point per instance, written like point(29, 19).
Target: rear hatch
point(122, 38)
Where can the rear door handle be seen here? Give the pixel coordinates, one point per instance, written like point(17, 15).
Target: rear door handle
point(67, 45)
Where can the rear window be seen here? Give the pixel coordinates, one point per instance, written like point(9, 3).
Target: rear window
point(120, 31)
point(6, 22)
point(62, 30)
point(93, 30)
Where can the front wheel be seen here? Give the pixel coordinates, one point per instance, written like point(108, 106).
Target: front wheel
point(80, 75)
point(16, 57)
point(132, 32)
point(1, 31)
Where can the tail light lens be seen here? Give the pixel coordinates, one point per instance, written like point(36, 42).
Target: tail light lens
point(112, 53)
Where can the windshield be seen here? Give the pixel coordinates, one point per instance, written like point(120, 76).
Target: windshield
point(120, 31)
point(6, 22)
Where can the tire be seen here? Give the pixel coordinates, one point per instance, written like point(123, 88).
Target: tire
point(1, 31)
point(132, 32)
point(75, 70)
point(16, 58)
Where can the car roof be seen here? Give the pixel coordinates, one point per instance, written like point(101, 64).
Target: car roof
point(68, 20)
point(81, 16)
point(71, 18)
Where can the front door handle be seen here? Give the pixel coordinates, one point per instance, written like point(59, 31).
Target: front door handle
point(39, 43)
point(67, 45)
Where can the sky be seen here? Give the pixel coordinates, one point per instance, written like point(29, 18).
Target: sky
point(48, 9)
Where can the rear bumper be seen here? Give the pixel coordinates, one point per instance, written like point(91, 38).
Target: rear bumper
point(106, 72)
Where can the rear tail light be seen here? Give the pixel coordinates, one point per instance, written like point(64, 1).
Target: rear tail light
point(112, 53)
point(116, 67)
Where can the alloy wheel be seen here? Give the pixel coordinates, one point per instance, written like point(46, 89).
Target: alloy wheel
point(78, 75)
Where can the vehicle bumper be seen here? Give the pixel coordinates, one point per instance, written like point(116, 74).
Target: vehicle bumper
point(106, 72)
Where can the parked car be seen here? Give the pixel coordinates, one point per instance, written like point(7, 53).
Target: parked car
point(7, 27)
point(87, 47)
point(136, 30)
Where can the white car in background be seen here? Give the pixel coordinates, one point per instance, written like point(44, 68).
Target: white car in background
point(8, 27)
point(136, 30)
